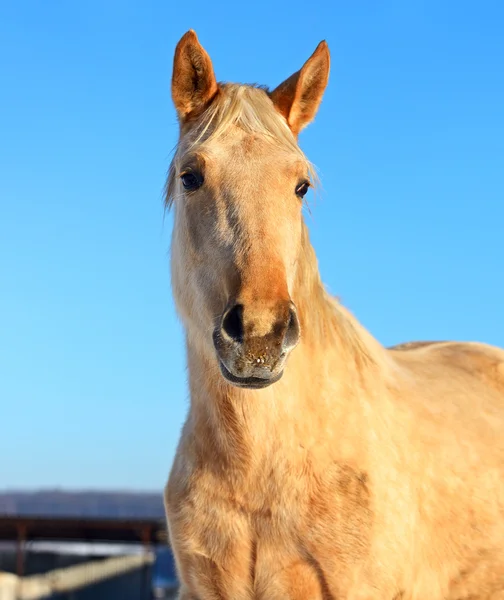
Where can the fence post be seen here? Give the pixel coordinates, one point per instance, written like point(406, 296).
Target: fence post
point(20, 552)
point(146, 570)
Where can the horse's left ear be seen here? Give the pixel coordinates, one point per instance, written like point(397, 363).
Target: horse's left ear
point(298, 97)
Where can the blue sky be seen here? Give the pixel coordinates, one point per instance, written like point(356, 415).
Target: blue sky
point(409, 227)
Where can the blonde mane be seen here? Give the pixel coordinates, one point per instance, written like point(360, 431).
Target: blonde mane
point(247, 107)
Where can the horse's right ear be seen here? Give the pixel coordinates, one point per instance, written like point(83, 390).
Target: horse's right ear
point(193, 81)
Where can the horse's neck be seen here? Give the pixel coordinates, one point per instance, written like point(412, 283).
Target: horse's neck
point(319, 389)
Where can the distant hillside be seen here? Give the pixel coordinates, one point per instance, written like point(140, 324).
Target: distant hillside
point(55, 503)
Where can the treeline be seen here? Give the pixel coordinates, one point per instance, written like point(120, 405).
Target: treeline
point(58, 503)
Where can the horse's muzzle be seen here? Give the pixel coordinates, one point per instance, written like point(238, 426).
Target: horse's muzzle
point(254, 361)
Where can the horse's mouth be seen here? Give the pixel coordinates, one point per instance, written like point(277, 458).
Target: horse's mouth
point(251, 383)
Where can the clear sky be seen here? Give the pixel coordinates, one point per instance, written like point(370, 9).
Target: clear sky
point(409, 228)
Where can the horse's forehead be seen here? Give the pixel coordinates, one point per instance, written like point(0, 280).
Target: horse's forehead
point(252, 151)
point(242, 144)
point(251, 144)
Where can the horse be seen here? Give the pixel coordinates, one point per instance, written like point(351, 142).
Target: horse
point(314, 462)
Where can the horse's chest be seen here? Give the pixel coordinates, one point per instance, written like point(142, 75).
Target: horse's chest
point(294, 541)
point(309, 549)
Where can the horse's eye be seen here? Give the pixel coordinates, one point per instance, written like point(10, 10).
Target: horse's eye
point(302, 188)
point(191, 181)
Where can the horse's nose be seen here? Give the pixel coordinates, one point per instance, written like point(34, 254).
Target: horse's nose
point(292, 330)
point(253, 341)
point(232, 323)
point(284, 332)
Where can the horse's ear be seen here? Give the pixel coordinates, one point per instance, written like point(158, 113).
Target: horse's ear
point(193, 80)
point(299, 96)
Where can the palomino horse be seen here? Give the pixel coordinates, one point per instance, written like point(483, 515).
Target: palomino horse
point(314, 463)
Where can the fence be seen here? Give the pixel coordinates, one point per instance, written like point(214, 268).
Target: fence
point(124, 578)
point(108, 560)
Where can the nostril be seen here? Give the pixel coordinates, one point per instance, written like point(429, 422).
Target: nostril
point(232, 324)
point(293, 331)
